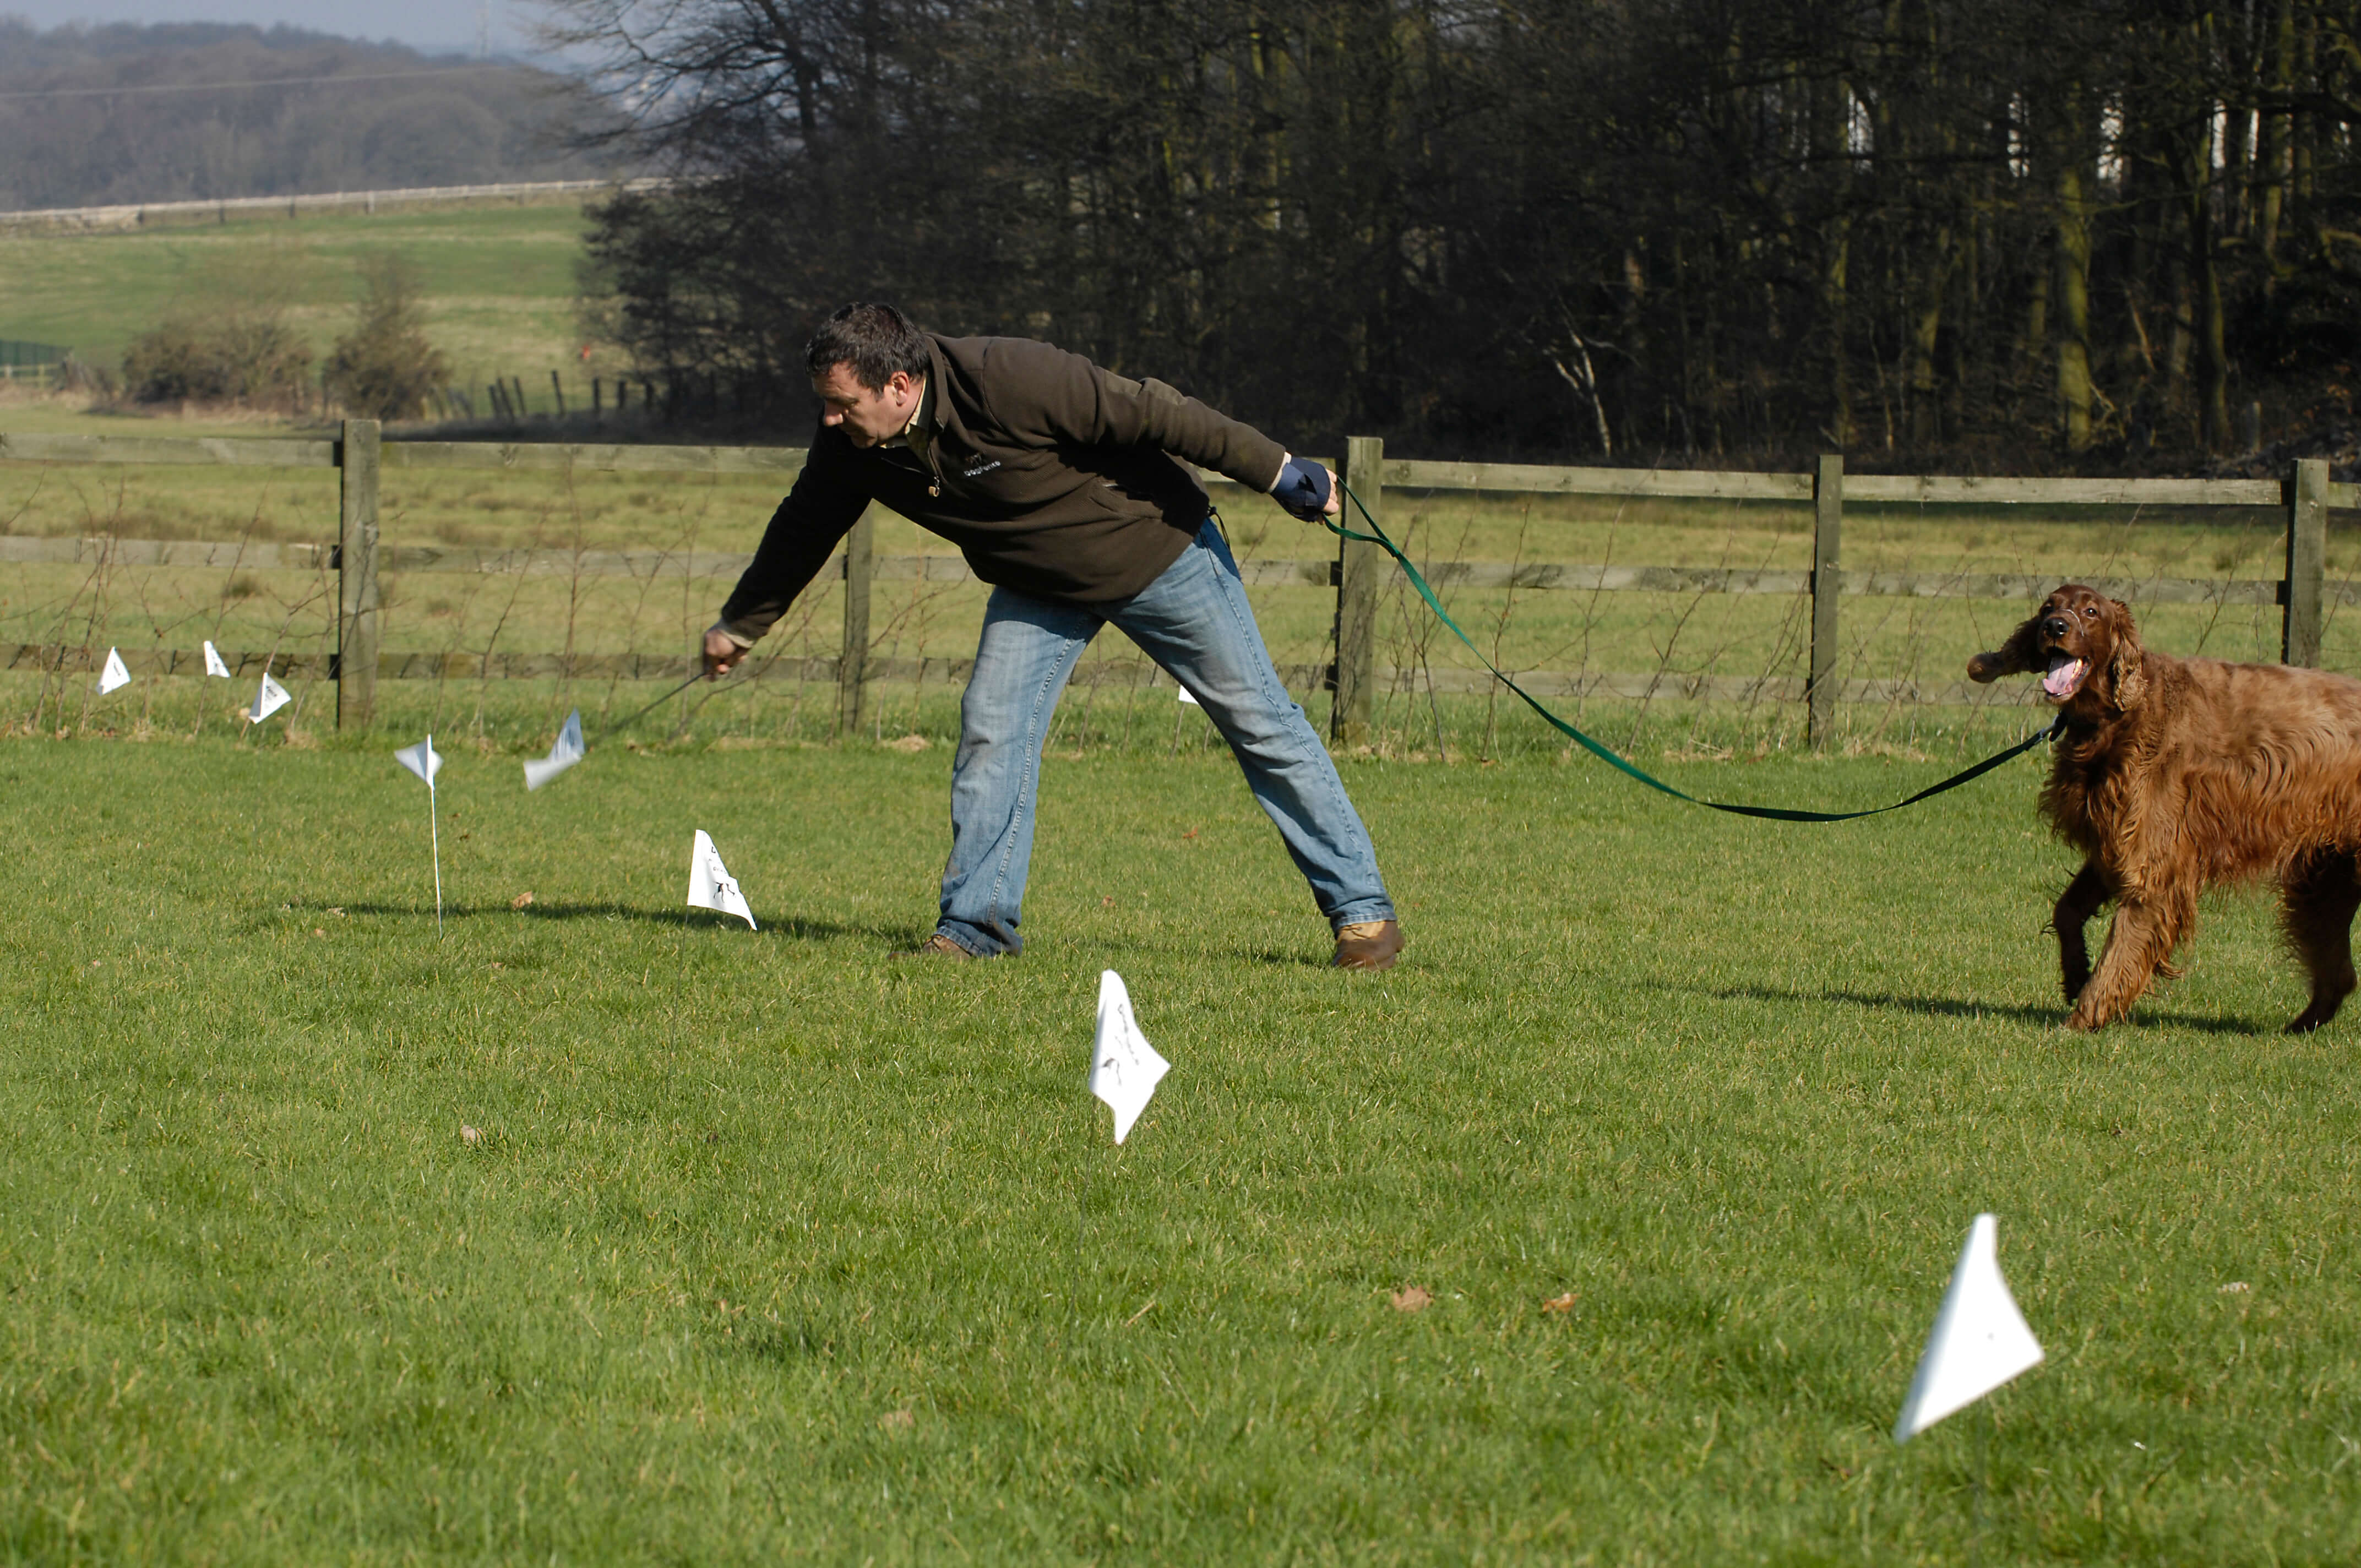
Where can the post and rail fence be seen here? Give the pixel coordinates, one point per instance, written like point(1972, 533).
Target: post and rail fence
point(1356, 574)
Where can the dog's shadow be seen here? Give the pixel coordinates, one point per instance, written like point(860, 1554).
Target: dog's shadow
point(1955, 1007)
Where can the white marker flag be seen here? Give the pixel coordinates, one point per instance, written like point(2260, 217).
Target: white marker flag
point(425, 761)
point(214, 665)
point(1981, 1340)
point(269, 698)
point(422, 760)
point(562, 756)
point(113, 675)
point(710, 886)
point(1124, 1069)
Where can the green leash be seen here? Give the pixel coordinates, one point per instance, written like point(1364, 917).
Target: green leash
point(1377, 536)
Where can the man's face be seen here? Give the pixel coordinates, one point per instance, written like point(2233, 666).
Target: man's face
point(866, 417)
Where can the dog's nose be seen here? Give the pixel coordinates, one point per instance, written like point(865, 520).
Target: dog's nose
point(2053, 626)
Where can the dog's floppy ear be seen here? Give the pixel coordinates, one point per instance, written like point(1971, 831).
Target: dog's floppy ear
point(2021, 652)
point(2127, 663)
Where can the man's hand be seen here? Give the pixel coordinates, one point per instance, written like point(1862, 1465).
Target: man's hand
point(721, 654)
point(1306, 491)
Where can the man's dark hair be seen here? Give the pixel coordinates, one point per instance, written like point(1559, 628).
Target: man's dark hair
point(875, 340)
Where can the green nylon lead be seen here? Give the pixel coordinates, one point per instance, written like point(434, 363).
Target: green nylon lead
point(1377, 536)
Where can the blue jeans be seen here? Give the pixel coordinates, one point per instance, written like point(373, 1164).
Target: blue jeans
point(1194, 621)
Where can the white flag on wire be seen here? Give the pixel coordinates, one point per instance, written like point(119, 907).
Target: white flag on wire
point(422, 760)
point(710, 886)
point(113, 675)
point(564, 754)
point(425, 761)
point(1124, 1069)
point(1981, 1340)
point(214, 665)
point(269, 698)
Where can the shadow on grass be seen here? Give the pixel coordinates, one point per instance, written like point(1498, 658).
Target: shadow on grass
point(1953, 1007)
point(793, 926)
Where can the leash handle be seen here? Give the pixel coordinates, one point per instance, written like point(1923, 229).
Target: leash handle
point(1377, 536)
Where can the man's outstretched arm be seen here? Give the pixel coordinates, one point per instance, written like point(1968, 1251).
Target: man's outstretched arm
point(818, 511)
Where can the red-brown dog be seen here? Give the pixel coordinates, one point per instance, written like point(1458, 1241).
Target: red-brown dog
point(2173, 776)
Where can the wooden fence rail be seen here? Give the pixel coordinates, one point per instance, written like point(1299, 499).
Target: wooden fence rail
point(1356, 573)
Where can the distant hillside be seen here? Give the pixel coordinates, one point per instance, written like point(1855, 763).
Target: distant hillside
point(121, 114)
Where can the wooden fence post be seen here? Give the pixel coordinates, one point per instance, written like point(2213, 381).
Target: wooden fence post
point(2307, 552)
point(356, 597)
point(1828, 586)
point(1358, 566)
point(852, 665)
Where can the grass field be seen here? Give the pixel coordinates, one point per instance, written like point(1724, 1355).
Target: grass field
point(770, 1248)
point(499, 281)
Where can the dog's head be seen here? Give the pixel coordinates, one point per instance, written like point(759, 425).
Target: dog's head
point(2084, 646)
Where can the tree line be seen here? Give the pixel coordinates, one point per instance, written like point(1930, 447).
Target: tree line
point(124, 113)
point(1632, 230)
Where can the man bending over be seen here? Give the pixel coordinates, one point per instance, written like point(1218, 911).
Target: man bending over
point(1058, 482)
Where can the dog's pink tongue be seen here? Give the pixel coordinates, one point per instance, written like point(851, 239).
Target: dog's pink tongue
point(2064, 676)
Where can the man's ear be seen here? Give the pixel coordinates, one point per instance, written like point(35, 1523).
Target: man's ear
point(2021, 652)
point(2128, 665)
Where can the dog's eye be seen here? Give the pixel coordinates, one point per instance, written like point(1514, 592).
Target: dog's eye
point(2091, 611)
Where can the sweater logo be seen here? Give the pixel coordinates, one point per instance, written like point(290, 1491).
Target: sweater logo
point(979, 470)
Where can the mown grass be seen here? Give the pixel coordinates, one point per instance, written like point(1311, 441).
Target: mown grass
point(772, 1248)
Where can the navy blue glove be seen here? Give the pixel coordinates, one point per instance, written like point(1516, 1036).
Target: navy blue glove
point(1302, 490)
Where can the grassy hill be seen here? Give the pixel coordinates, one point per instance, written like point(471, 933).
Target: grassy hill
point(499, 281)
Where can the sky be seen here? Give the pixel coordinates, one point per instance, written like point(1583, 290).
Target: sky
point(431, 24)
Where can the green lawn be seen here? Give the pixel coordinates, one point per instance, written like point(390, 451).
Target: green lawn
point(771, 1248)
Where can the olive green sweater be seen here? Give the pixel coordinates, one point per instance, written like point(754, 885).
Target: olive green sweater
point(1053, 477)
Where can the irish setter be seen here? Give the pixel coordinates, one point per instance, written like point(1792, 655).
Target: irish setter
point(2172, 775)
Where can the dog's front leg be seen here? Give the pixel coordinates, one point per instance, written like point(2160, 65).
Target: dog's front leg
point(2146, 927)
point(2083, 898)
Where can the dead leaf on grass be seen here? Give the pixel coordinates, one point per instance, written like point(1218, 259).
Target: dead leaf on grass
point(1413, 1298)
point(522, 899)
point(897, 1421)
point(908, 743)
point(2236, 1288)
point(469, 1134)
point(1560, 1303)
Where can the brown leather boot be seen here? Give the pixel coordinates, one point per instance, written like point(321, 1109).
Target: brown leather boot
point(937, 947)
point(1370, 944)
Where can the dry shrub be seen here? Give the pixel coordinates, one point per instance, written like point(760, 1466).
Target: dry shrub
point(385, 368)
point(251, 356)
